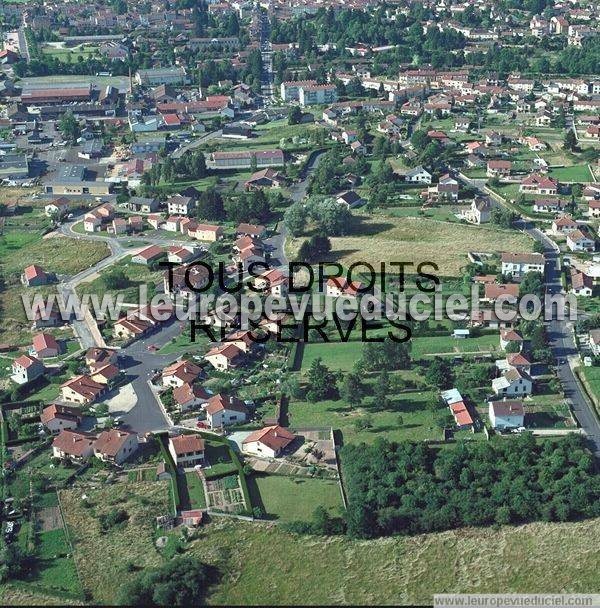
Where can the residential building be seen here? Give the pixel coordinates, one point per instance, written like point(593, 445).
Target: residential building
point(187, 450)
point(223, 410)
point(507, 414)
point(115, 446)
point(26, 369)
point(58, 418)
point(81, 389)
point(519, 264)
point(73, 445)
point(268, 442)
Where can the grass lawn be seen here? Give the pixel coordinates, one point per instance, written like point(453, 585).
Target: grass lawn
point(194, 491)
point(592, 377)
point(293, 499)
point(340, 355)
point(422, 347)
point(406, 418)
point(183, 343)
point(577, 173)
point(385, 239)
point(559, 558)
point(102, 557)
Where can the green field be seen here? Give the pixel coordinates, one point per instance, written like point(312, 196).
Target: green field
point(592, 377)
point(293, 499)
point(403, 570)
point(447, 344)
point(195, 490)
point(337, 355)
point(576, 173)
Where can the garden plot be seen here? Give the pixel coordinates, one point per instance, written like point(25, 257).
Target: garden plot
point(225, 494)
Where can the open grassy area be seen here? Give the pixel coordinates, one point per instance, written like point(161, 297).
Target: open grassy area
point(434, 345)
point(385, 239)
point(592, 377)
point(102, 557)
point(55, 568)
point(294, 499)
point(577, 173)
point(554, 558)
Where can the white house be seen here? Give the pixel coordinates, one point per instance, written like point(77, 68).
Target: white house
point(508, 414)
point(223, 410)
point(418, 175)
point(73, 445)
point(268, 442)
point(579, 241)
point(26, 368)
point(519, 264)
point(187, 450)
point(58, 417)
point(512, 383)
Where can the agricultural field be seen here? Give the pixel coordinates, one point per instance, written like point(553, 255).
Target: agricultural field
point(383, 239)
point(103, 557)
point(560, 558)
point(293, 499)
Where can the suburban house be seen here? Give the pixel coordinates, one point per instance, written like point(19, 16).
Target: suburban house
point(224, 356)
point(418, 175)
point(104, 374)
point(223, 410)
point(99, 357)
point(564, 225)
point(549, 205)
point(45, 345)
point(58, 417)
point(180, 205)
point(73, 445)
point(189, 395)
point(206, 232)
point(34, 276)
point(339, 286)
point(26, 369)
point(147, 255)
point(508, 414)
point(274, 281)
point(498, 168)
point(539, 184)
point(115, 446)
point(579, 241)
point(519, 264)
point(255, 231)
point(187, 450)
point(518, 360)
point(349, 199)
point(143, 204)
point(480, 211)
point(581, 283)
point(512, 382)
point(508, 336)
point(594, 337)
point(128, 328)
point(181, 372)
point(462, 416)
point(509, 292)
point(445, 190)
point(268, 442)
point(58, 208)
point(81, 389)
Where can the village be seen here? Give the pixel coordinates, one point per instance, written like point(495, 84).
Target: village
point(144, 143)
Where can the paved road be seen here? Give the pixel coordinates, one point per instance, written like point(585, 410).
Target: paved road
point(196, 142)
point(562, 343)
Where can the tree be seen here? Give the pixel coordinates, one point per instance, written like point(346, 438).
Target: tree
point(295, 219)
point(115, 279)
point(210, 205)
point(12, 560)
point(381, 390)
point(439, 373)
point(182, 581)
point(570, 140)
point(294, 115)
point(353, 389)
point(69, 127)
point(322, 383)
point(532, 283)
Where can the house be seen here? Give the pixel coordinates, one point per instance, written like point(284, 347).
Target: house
point(128, 328)
point(172, 223)
point(58, 208)
point(58, 418)
point(539, 184)
point(549, 205)
point(99, 357)
point(564, 225)
point(581, 283)
point(350, 199)
point(206, 232)
point(594, 337)
point(274, 281)
point(358, 148)
point(511, 383)
point(579, 241)
point(223, 410)
point(147, 255)
point(462, 417)
point(181, 255)
point(193, 517)
point(181, 205)
point(510, 336)
point(45, 345)
point(115, 446)
point(26, 369)
point(445, 190)
point(507, 414)
point(418, 175)
point(519, 264)
point(73, 445)
point(180, 373)
point(268, 442)
point(187, 450)
point(143, 204)
point(517, 360)
point(266, 178)
point(339, 286)
point(251, 230)
point(594, 208)
point(224, 356)
point(509, 292)
point(104, 374)
point(498, 168)
point(34, 276)
point(189, 395)
point(480, 211)
point(81, 389)
point(118, 226)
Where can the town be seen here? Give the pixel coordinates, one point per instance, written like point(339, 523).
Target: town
point(168, 150)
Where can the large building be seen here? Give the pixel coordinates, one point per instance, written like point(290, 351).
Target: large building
point(154, 76)
point(243, 160)
point(14, 166)
point(315, 94)
point(75, 180)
